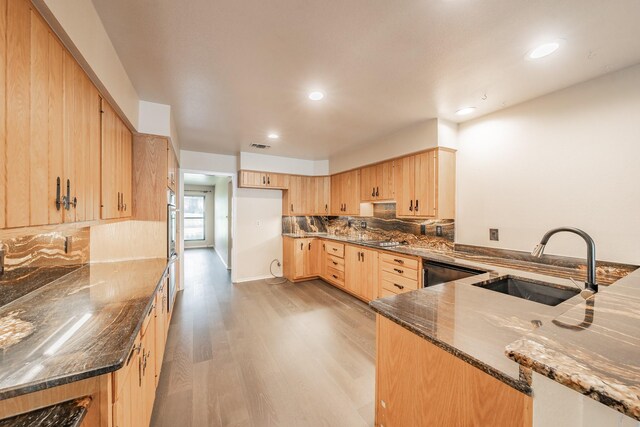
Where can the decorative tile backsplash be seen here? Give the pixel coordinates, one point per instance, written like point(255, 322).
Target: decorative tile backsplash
point(383, 225)
point(47, 249)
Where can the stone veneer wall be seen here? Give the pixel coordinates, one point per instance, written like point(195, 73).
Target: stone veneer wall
point(383, 225)
point(46, 248)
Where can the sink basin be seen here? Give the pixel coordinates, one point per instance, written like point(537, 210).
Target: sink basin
point(540, 292)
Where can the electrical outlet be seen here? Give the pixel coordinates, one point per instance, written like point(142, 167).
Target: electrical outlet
point(423, 229)
point(67, 244)
point(363, 225)
point(259, 223)
point(493, 234)
point(439, 230)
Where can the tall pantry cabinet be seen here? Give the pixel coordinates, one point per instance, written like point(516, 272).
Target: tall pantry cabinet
point(50, 127)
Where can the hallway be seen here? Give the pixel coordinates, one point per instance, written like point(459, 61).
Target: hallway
point(255, 354)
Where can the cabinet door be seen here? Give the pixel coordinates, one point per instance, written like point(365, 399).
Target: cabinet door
point(56, 128)
point(299, 253)
point(3, 110)
point(368, 276)
point(425, 184)
point(336, 195)
point(160, 336)
point(405, 185)
point(368, 183)
point(325, 207)
point(295, 195)
point(126, 146)
point(351, 192)
point(323, 259)
point(18, 113)
point(110, 172)
point(385, 181)
point(352, 269)
point(148, 373)
point(312, 258)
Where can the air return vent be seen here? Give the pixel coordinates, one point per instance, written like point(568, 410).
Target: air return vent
point(260, 146)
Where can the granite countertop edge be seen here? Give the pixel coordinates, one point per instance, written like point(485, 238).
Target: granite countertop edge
point(520, 385)
point(22, 389)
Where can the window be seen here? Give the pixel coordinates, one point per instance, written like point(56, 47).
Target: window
point(193, 217)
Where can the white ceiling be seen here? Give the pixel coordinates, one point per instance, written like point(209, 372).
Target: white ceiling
point(234, 71)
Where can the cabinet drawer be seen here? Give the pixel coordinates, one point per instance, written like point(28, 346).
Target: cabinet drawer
point(335, 263)
point(384, 292)
point(335, 276)
point(389, 280)
point(399, 270)
point(400, 261)
point(336, 249)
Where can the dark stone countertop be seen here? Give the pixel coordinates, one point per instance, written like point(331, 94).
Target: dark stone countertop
point(21, 281)
point(66, 414)
point(78, 326)
point(591, 346)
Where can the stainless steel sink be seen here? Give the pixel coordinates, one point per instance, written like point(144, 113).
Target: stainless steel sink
point(540, 292)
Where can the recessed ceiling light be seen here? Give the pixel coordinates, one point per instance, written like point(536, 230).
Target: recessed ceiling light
point(543, 50)
point(316, 95)
point(273, 136)
point(466, 110)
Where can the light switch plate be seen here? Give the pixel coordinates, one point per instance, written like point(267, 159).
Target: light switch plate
point(439, 230)
point(493, 234)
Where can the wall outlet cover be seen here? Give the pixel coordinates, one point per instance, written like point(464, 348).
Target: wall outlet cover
point(363, 225)
point(423, 229)
point(493, 234)
point(439, 230)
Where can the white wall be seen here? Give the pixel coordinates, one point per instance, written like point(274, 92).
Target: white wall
point(568, 158)
point(209, 214)
point(221, 219)
point(78, 25)
point(267, 163)
point(157, 119)
point(417, 137)
point(258, 233)
point(196, 161)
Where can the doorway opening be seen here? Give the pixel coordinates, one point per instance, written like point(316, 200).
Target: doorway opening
point(207, 219)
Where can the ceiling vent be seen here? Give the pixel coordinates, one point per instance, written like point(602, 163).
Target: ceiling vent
point(260, 146)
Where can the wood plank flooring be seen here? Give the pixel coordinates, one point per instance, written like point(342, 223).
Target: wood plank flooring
point(257, 354)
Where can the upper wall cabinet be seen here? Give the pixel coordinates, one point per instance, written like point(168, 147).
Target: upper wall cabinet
point(425, 185)
point(255, 179)
point(152, 156)
point(116, 166)
point(172, 168)
point(345, 193)
point(376, 182)
point(50, 126)
point(307, 195)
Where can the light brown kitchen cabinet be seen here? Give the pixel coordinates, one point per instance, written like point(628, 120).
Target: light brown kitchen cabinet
point(361, 272)
point(50, 132)
point(161, 327)
point(410, 392)
point(256, 179)
point(307, 195)
point(425, 185)
point(345, 193)
point(152, 155)
point(301, 258)
point(376, 182)
point(117, 156)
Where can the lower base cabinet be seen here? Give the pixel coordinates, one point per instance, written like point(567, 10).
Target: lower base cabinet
point(135, 384)
point(420, 384)
point(361, 272)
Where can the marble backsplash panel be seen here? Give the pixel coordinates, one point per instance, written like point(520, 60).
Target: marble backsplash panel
point(383, 225)
point(52, 248)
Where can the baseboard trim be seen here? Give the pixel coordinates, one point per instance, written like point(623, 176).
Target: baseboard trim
point(254, 278)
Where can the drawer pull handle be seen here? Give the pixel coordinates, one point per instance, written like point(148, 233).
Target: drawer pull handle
point(334, 263)
point(334, 276)
point(334, 249)
point(398, 286)
point(398, 270)
point(399, 261)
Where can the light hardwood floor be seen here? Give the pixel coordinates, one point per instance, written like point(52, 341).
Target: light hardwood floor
point(256, 354)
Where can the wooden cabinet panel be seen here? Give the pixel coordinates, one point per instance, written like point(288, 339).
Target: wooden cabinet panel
point(302, 258)
point(404, 185)
point(345, 193)
point(256, 179)
point(312, 258)
point(336, 195)
point(376, 182)
point(361, 272)
point(425, 185)
point(149, 192)
point(3, 111)
point(18, 114)
point(418, 383)
point(56, 160)
point(148, 388)
point(116, 165)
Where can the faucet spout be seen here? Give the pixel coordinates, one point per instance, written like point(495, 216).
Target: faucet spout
point(591, 252)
